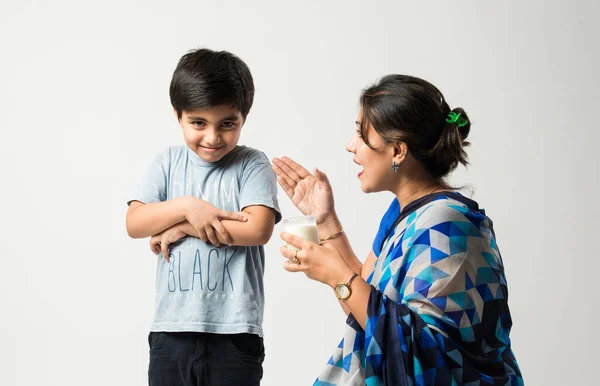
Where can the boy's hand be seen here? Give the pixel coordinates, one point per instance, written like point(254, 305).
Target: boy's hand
point(161, 242)
point(206, 220)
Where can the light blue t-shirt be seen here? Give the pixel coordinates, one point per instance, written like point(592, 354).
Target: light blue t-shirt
point(206, 288)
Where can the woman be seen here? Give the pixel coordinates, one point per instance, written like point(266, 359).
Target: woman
point(429, 304)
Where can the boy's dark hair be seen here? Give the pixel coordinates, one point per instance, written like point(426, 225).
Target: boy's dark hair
point(206, 78)
point(411, 110)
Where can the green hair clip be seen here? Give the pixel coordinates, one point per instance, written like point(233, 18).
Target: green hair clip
point(455, 118)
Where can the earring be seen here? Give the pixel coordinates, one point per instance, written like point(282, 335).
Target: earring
point(394, 166)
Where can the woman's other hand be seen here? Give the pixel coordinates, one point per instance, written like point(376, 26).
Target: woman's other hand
point(322, 263)
point(312, 194)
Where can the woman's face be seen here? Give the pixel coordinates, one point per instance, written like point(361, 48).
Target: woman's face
point(376, 161)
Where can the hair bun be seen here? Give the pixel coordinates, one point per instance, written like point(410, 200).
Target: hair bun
point(463, 123)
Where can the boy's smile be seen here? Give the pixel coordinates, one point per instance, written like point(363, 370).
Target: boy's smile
point(212, 132)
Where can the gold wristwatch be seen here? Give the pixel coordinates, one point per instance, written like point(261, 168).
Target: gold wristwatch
point(342, 290)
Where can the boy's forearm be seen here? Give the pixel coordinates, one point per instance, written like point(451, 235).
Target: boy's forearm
point(243, 233)
point(145, 220)
point(256, 231)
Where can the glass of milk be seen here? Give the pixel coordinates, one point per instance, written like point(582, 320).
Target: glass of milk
point(303, 226)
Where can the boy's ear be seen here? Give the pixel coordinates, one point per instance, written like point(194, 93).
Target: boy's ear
point(175, 112)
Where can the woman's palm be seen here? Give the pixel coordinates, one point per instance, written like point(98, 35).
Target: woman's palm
point(313, 198)
point(312, 194)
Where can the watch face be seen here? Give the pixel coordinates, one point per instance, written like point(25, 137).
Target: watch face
point(342, 291)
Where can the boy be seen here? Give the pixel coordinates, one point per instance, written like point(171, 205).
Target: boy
point(207, 328)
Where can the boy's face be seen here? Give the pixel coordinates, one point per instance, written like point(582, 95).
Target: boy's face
point(212, 132)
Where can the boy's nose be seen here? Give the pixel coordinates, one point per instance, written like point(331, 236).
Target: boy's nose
point(211, 137)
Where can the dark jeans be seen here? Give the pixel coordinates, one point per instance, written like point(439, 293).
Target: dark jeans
point(193, 359)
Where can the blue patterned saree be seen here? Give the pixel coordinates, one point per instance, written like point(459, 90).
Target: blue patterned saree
point(438, 312)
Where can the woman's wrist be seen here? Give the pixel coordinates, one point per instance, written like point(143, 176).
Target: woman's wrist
point(330, 226)
point(341, 277)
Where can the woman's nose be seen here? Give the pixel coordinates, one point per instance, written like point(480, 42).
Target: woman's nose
point(351, 145)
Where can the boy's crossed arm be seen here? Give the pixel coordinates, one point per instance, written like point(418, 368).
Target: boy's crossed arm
point(256, 229)
point(144, 220)
point(171, 220)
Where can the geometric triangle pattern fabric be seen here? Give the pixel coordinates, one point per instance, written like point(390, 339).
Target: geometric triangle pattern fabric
point(437, 281)
point(437, 255)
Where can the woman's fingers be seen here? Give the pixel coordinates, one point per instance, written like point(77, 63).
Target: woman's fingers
point(322, 177)
point(298, 169)
point(287, 252)
point(286, 166)
point(283, 175)
point(294, 240)
point(292, 267)
point(286, 187)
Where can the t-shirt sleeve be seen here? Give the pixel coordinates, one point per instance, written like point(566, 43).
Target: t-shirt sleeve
point(259, 184)
point(152, 186)
point(386, 223)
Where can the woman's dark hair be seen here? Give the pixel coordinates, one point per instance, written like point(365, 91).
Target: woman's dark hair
point(407, 109)
point(205, 78)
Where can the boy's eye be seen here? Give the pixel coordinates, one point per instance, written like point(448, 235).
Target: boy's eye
point(359, 134)
point(228, 125)
point(198, 123)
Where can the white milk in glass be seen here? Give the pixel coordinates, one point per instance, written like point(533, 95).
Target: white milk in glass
point(303, 226)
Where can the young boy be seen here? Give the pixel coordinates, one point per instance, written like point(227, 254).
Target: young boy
point(207, 328)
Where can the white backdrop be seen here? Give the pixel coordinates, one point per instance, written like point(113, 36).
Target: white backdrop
point(84, 107)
